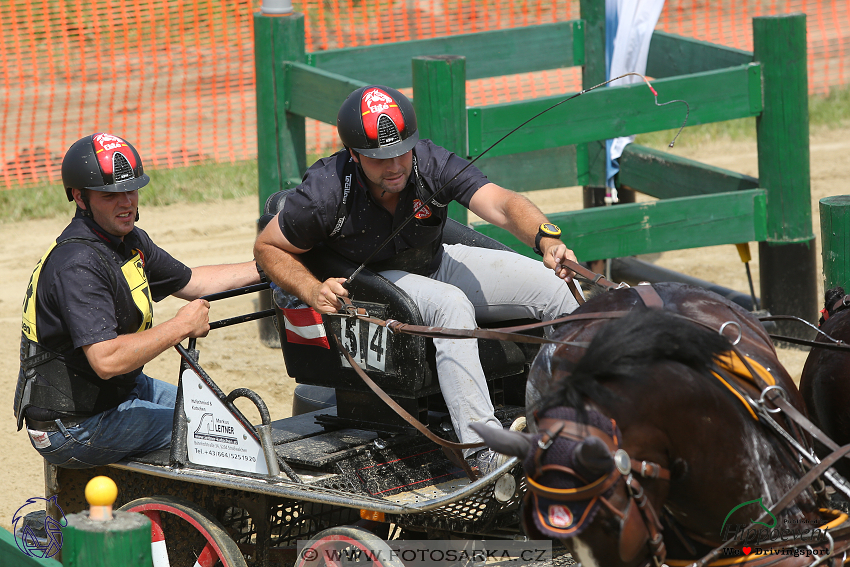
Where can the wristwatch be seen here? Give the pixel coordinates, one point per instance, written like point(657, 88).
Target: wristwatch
point(547, 230)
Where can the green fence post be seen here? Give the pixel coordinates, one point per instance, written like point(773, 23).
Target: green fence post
point(439, 98)
point(787, 259)
point(281, 138)
point(835, 241)
point(590, 157)
point(100, 537)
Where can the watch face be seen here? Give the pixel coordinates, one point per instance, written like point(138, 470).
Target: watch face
point(550, 228)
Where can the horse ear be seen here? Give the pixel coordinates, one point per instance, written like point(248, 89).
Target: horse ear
point(592, 458)
point(513, 443)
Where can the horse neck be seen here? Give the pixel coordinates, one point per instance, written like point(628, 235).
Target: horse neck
point(718, 454)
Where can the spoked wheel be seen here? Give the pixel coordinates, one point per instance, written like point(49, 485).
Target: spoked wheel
point(345, 546)
point(183, 534)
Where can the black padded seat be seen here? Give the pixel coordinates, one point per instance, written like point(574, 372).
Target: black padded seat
point(308, 397)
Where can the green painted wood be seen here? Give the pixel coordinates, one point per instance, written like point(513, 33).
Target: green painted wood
point(124, 540)
point(663, 175)
point(782, 130)
point(439, 95)
point(315, 93)
point(530, 171)
point(11, 556)
point(671, 55)
point(658, 226)
point(488, 54)
point(281, 136)
point(593, 73)
point(615, 111)
point(782, 134)
point(835, 241)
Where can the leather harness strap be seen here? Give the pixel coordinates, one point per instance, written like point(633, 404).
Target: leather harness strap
point(649, 296)
point(789, 497)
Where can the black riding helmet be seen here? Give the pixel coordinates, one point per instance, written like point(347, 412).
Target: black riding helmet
point(102, 162)
point(377, 122)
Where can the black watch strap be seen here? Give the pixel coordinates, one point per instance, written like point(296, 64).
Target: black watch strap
point(545, 230)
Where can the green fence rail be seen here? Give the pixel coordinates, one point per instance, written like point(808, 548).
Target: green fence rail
point(698, 205)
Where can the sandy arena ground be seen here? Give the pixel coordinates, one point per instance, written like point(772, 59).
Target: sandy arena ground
point(221, 232)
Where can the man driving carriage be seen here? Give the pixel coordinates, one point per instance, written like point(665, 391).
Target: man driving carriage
point(353, 200)
point(88, 318)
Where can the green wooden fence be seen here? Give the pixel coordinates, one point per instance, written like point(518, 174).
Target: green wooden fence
point(698, 205)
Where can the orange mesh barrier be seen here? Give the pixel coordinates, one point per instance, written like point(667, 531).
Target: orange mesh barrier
point(176, 78)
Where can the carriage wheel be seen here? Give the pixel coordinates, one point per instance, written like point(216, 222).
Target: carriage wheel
point(347, 545)
point(187, 533)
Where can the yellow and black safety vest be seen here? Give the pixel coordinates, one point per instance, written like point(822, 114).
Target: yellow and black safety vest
point(44, 380)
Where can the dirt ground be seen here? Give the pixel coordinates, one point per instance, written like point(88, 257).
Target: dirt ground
point(219, 232)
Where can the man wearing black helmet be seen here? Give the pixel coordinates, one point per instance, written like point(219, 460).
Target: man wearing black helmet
point(352, 202)
point(87, 328)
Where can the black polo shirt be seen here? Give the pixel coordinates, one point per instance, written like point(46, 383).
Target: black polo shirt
point(78, 302)
point(310, 213)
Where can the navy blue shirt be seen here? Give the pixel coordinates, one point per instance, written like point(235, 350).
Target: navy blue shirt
point(79, 302)
point(310, 213)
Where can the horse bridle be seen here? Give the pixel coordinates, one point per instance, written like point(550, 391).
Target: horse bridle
point(636, 530)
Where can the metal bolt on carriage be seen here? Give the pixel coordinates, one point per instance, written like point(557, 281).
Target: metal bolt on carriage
point(344, 468)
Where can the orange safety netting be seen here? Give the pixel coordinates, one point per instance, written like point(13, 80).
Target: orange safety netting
point(176, 78)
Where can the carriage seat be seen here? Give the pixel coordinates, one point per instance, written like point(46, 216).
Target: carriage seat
point(409, 370)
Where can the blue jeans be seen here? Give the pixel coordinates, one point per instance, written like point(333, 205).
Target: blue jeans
point(140, 424)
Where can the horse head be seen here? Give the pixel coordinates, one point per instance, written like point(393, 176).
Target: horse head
point(636, 436)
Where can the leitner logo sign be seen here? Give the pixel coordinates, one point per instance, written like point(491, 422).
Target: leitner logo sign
point(769, 538)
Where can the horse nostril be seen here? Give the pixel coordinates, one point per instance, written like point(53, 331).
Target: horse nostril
point(592, 458)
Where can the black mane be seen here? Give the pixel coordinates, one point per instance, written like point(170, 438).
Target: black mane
point(624, 347)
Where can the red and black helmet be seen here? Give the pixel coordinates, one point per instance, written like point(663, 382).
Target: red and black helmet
point(377, 122)
point(102, 162)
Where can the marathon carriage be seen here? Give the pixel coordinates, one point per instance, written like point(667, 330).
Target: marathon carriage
point(345, 468)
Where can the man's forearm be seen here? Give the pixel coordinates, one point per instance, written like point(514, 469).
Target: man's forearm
point(286, 270)
point(523, 218)
point(213, 279)
point(125, 353)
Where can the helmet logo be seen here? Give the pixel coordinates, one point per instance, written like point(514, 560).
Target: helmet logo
point(105, 148)
point(379, 108)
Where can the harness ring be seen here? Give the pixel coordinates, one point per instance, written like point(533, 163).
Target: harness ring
point(740, 331)
point(763, 398)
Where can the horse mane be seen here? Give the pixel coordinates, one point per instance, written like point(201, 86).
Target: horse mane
point(624, 347)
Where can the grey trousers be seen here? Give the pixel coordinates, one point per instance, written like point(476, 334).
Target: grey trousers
point(479, 284)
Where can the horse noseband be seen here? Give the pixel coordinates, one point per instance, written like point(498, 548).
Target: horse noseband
point(636, 530)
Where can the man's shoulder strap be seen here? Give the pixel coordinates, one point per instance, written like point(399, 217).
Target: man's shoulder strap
point(346, 170)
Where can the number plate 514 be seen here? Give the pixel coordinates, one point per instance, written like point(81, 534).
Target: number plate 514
point(366, 343)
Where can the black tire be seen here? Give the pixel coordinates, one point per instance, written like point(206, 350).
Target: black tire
point(188, 533)
point(357, 545)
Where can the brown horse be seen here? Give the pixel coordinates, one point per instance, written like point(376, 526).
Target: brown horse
point(825, 381)
point(647, 431)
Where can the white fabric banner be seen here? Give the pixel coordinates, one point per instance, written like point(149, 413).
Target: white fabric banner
point(635, 22)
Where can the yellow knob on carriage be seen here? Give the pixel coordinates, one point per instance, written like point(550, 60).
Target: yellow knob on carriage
point(101, 493)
